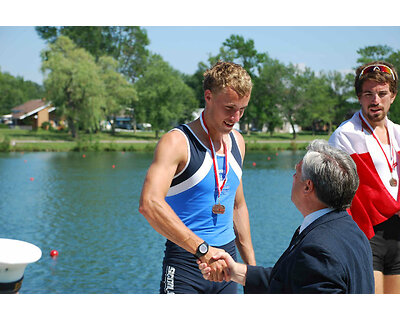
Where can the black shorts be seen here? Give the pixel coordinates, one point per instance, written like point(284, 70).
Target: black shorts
point(181, 274)
point(385, 246)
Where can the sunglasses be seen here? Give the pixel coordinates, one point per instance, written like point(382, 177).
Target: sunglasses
point(377, 67)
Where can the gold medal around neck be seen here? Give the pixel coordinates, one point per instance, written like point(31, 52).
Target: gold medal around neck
point(393, 182)
point(218, 209)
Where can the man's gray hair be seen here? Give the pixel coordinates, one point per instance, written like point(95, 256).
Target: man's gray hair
point(333, 173)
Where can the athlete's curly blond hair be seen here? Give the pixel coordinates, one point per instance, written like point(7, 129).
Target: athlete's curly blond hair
point(227, 74)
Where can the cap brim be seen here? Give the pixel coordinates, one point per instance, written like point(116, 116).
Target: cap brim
point(15, 255)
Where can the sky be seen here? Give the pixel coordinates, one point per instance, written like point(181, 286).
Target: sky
point(323, 38)
point(183, 47)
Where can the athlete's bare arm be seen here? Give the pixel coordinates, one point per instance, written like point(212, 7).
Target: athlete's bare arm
point(170, 157)
point(241, 217)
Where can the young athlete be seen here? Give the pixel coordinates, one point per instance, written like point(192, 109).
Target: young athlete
point(373, 142)
point(193, 193)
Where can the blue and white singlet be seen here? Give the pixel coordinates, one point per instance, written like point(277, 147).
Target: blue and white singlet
point(193, 191)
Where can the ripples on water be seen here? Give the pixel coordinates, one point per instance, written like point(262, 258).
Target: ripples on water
point(88, 211)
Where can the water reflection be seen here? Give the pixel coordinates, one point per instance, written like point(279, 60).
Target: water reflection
point(88, 210)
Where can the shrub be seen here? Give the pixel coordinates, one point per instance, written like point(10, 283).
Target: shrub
point(45, 125)
point(5, 144)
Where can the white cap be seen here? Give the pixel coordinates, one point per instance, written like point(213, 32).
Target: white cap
point(15, 255)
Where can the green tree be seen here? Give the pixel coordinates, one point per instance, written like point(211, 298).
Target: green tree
point(164, 100)
point(126, 44)
point(342, 91)
point(319, 103)
point(237, 49)
point(195, 81)
point(373, 53)
point(394, 59)
point(74, 84)
point(16, 91)
point(119, 93)
point(267, 95)
point(294, 95)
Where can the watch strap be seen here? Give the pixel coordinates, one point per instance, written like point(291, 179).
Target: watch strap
point(202, 249)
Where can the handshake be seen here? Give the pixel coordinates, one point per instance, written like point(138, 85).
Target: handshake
point(222, 267)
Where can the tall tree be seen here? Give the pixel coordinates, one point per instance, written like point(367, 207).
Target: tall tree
point(318, 107)
point(126, 44)
point(237, 49)
point(74, 84)
point(372, 53)
point(243, 52)
point(119, 93)
point(294, 96)
point(16, 91)
point(342, 91)
point(164, 100)
point(195, 81)
point(268, 92)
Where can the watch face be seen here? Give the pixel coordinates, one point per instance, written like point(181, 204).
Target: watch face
point(203, 248)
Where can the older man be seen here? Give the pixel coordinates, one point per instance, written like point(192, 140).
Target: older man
point(328, 253)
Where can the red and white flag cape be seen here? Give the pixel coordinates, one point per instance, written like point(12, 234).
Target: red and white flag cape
point(375, 200)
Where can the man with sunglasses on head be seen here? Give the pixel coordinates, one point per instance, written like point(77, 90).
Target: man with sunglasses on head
point(373, 141)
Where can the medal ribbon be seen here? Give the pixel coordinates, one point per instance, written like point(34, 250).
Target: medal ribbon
point(213, 153)
point(370, 130)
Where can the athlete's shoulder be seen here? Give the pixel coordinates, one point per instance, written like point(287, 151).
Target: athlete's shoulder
point(175, 135)
point(396, 130)
point(173, 142)
point(395, 125)
point(350, 126)
point(348, 135)
point(238, 136)
point(239, 140)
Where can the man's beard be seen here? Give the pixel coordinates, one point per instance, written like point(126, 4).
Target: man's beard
point(376, 117)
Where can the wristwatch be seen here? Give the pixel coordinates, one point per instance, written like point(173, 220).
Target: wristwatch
point(202, 249)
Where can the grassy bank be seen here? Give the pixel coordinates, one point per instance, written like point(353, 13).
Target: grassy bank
point(47, 135)
point(15, 140)
point(77, 146)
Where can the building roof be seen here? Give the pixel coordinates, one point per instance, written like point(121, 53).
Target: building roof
point(29, 108)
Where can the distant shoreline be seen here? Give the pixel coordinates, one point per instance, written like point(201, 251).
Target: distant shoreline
point(18, 140)
point(131, 145)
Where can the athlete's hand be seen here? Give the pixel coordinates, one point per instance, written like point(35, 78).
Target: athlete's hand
point(217, 267)
point(220, 256)
point(233, 272)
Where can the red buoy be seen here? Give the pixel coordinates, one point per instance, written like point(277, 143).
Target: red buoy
point(254, 164)
point(53, 253)
point(113, 166)
point(269, 158)
point(31, 179)
point(84, 156)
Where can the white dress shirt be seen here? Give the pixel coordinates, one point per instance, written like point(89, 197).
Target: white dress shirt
point(314, 216)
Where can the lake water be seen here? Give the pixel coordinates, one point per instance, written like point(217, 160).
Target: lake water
point(85, 205)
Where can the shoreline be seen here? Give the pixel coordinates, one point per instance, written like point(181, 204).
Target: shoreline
point(130, 145)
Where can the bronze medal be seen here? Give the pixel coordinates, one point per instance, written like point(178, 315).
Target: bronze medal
point(392, 154)
point(218, 209)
